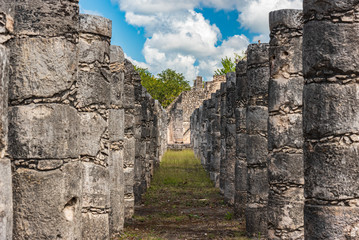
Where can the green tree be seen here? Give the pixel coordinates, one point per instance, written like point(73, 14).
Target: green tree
point(173, 84)
point(166, 87)
point(229, 65)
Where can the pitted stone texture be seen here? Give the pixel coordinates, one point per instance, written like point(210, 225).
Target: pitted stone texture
point(92, 128)
point(324, 47)
point(313, 6)
point(116, 54)
point(116, 125)
point(96, 192)
point(4, 78)
point(94, 88)
point(257, 54)
point(96, 25)
point(45, 18)
point(286, 168)
point(331, 109)
point(257, 118)
point(288, 18)
point(6, 203)
point(257, 186)
point(95, 226)
point(331, 222)
point(256, 221)
point(256, 150)
point(331, 171)
point(41, 131)
point(258, 82)
point(60, 217)
point(93, 49)
point(285, 94)
point(285, 131)
point(41, 67)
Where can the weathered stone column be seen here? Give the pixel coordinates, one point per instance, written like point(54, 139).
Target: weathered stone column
point(43, 124)
point(217, 139)
point(256, 149)
point(223, 161)
point(240, 198)
point(211, 129)
point(131, 103)
point(116, 137)
point(285, 135)
point(94, 103)
point(230, 138)
point(6, 204)
point(331, 119)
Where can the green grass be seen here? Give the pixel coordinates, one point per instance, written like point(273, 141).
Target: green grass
point(182, 202)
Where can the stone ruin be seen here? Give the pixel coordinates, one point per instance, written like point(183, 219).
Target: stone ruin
point(180, 110)
point(80, 136)
point(281, 136)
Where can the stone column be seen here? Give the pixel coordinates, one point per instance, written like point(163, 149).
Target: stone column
point(6, 209)
point(43, 124)
point(131, 103)
point(217, 139)
point(331, 119)
point(256, 149)
point(211, 119)
point(94, 103)
point(230, 138)
point(240, 198)
point(223, 121)
point(285, 135)
point(116, 137)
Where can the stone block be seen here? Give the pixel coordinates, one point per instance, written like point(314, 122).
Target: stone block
point(129, 96)
point(96, 190)
point(116, 125)
point(256, 221)
point(257, 185)
point(256, 119)
point(331, 171)
point(312, 6)
point(92, 128)
point(257, 54)
point(43, 131)
point(330, 109)
point(6, 203)
point(41, 67)
point(285, 93)
point(286, 57)
point(286, 168)
point(95, 226)
point(46, 18)
point(285, 131)
point(47, 204)
point(331, 222)
point(130, 150)
point(117, 89)
point(93, 88)
point(288, 18)
point(4, 79)
point(116, 54)
point(257, 84)
point(96, 25)
point(93, 49)
point(256, 149)
point(324, 48)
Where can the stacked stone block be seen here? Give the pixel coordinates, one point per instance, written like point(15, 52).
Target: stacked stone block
point(331, 119)
point(285, 135)
point(256, 144)
point(6, 204)
point(223, 121)
point(230, 138)
point(93, 103)
point(216, 139)
point(240, 182)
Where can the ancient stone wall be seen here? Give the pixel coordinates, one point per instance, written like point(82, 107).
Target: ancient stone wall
point(181, 109)
point(71, 109)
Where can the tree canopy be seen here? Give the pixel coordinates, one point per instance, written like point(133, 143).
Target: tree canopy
point(165, 87)
point(228, 65)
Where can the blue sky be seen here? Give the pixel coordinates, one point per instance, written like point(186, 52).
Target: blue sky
point(189, 36)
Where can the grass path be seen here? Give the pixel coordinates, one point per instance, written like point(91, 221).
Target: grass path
point(182, 203)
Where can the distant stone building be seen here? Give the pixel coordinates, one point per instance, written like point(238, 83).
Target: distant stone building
point(181, 109)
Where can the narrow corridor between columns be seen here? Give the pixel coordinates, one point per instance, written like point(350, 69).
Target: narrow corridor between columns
point(183, 203)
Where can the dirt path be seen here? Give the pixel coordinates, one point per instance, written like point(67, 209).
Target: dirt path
point(183, 204)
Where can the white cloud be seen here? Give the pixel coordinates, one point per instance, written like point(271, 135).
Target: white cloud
point(182, 39)
point(91, 12)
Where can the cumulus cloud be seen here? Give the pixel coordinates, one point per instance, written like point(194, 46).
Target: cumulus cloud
point(180, 38)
